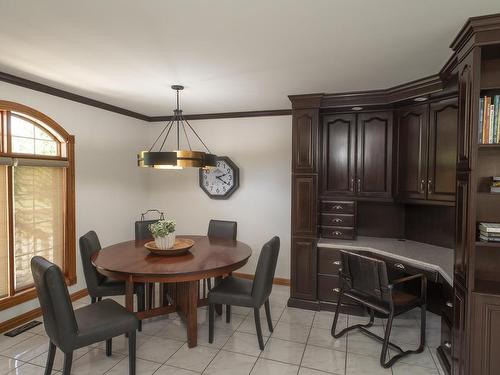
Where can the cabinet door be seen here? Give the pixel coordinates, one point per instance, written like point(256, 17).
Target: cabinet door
point(443, 130)
point(458, 332)
point(412, 152)
point(485, 335)
point(304, 268)
point(468, 107)
point(461, 259)
point(304, 205)
point(304, 140)
point(374, 155)
point(339, 155)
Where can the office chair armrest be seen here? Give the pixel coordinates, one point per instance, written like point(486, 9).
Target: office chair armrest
point(423, 283)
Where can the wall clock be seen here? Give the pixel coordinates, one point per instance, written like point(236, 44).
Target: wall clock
point(221, 181)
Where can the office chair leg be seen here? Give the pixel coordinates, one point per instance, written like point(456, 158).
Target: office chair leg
point(268, 316)
point(423, 322)
point(228, 313)
point(109, 347)
point(211, 313)
point(131, 353)
point(256, 314)
point(385, 345)
point(50, 359)
point(336, 318)
point(68, 360)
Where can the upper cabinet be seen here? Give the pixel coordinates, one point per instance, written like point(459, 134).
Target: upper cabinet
point(304, 139)
point(357, 155)
point(427, 152)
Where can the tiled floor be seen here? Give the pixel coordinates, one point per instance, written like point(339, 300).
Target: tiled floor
point(300, 344)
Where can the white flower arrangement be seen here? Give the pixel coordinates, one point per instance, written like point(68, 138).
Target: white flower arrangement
point(162, 228)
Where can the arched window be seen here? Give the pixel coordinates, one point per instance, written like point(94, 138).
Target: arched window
point(37, 215)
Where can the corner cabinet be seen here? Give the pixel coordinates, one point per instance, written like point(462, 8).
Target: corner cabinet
point(304, 140)
point(357, 155)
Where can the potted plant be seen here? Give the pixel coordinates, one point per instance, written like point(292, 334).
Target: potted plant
point(163, 232)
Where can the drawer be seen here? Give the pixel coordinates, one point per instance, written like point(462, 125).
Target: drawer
point(406, 268)
point(343, 233)
point(337, 220)
point(326, 290)
point(328, 261)
point(340, 207)
point(446, 338)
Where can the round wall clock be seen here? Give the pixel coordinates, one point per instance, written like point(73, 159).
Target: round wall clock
point(221, 181)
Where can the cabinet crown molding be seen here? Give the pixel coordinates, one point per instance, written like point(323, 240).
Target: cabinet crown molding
point(477, 31)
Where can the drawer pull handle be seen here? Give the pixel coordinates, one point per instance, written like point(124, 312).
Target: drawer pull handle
point(447, 344)
point(449, 304)
point(399, 265)
point(337, 290)
point(337, 262)
point(337, 233)
point(338, 220)
point(337, 207)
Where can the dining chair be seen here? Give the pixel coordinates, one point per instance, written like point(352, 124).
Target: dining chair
point(70, 329)
point(99, 285)
point(247, 293)
point(221, 229)
point(365, 280)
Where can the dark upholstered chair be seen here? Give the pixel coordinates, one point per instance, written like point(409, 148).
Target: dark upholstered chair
point(221, 229)
point(365, 280)
point(142, 226)
point(248, 293)
point(70, 329)
point(99, 285)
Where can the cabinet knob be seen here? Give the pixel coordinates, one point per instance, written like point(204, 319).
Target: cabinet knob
point(359, 185)
point(337, 290)
point(422, 186)
point(337, 233)
point(337, 220)
point(447, 344)
point(352, 184)
point(399, 265)
point(449, 304)
point(337, 262)
point(337, 207)
point(429, 187)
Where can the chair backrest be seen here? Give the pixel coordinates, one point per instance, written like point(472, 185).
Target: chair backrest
point(364, 275)
point(222, 229)
point(58, 315)
point(264, 273)
point(142, 231)
point(89, 245)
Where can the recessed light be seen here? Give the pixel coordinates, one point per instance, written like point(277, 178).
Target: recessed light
point(357, 108)
point(420, 99)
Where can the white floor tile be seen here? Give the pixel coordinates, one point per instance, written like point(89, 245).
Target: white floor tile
point(41, 360)
point(362, 365)
point(7, 342)
point(405, 369)
point(310, 371)
point(29, 369)
point(244, 343)
point(324, 359)
point(170, 370)
point(158, 349)
point(28, 349)
point(195, 359)
point(248, 326)
point(268, 367)
point(324, 319)
point(283, 351)
point(95, 362)
point(8, 364)
point(227, 363)
point(297, 316)
point(324, 338)
point(291, 331)
point(142, 367)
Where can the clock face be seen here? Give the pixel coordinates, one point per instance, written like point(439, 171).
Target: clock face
point(221, 181)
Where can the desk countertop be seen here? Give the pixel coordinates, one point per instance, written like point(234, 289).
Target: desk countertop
point(422, 254)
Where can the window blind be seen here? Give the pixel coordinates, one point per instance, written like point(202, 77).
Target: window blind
point(38, 218)
point(4, 234)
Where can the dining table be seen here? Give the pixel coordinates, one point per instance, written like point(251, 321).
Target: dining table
point(181, 276)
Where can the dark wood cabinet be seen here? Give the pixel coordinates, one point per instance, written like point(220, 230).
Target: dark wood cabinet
point(441, 179)
point(485, 346)
point(339, 154)
point(412, 152)
point(427, 148)
point(458, 332)
point(357, 155)
point(304, 268)
point(462, 235)
point(304, 140)
point(304, 205)
point(374, 155)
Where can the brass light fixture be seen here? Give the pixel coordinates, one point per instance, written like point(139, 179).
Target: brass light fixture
point(177, 159)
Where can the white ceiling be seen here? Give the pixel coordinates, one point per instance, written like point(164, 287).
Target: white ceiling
point(232, 55)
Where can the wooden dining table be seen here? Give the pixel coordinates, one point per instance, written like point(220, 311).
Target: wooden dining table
point(208, 258)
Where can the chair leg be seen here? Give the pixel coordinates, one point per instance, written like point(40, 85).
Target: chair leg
point(336, 318)
point(256, 314)
point(228, 313)
point(141, 304)
point(99, 299)
point(93, 299)
point(50, 359)
point(131, 353)
point(109, 347)
point(423, 322)
point(385, 345)
point(211, 316)
point(268, 316)
point(68, 360)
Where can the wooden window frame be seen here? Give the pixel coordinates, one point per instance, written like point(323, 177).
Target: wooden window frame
point(69, 253)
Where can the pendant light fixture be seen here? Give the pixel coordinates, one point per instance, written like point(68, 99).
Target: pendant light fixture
point(177, 159)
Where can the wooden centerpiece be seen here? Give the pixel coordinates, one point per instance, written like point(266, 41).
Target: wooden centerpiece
point(165, 242)
point(181, 246)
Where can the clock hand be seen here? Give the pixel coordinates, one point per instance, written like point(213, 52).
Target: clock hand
point(220, 178)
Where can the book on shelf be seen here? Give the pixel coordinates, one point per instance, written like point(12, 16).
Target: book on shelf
point(489, 234)
point(495, 184)
point(489, 122)
point(489, 227)
point(489, 239)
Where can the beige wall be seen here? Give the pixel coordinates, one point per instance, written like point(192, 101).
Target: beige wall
point(261, 148)
point(110, 189)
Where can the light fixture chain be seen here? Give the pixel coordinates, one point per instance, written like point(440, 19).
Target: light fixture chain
point(163, 131)
point(165, 139)
point(197, 136)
